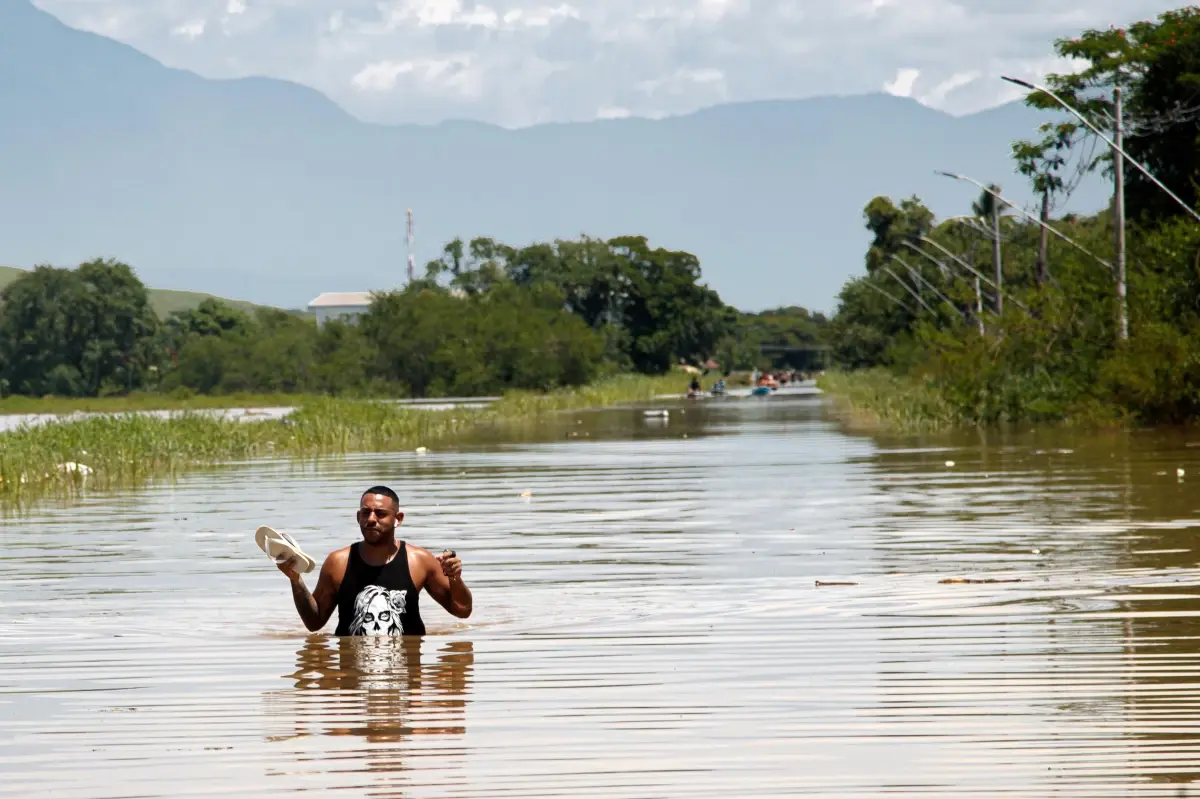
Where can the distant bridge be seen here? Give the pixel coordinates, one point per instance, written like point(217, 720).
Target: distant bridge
point(808, 356)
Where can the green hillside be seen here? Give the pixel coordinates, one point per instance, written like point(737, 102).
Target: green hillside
point(164, 301)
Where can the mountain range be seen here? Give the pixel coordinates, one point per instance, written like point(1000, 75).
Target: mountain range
point(267, 191)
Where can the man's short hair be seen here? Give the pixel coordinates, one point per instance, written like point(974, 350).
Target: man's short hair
point(385, 491)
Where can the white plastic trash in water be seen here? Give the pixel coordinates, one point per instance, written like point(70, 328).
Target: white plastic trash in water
point(658, 414)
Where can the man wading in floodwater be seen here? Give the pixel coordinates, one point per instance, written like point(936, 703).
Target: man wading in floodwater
point(376, 583)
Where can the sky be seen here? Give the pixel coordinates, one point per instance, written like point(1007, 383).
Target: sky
point(521, 62)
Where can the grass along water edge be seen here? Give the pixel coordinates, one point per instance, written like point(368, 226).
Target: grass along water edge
point(879, 398)
point(124, 450)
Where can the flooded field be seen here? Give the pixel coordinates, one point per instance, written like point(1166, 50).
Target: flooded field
point(648, 622)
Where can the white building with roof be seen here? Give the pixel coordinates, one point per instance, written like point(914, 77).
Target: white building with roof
point(339, 304)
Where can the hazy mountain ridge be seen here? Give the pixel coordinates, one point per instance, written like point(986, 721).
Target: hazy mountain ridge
point(269, 191)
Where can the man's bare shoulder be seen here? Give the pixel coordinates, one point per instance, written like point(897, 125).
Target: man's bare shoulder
point(337, 560)
point(419, 550)
point(421, 556)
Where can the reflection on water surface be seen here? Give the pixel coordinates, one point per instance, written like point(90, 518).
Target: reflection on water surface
point(647, 622)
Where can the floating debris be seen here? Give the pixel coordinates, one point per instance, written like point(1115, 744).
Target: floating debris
point(422, 450)
point(973, 581)
point(656, 414)
point(71, 466)
point(824, 583)
point(949, 464)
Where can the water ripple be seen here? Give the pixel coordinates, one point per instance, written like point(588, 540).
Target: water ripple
point(648, 621)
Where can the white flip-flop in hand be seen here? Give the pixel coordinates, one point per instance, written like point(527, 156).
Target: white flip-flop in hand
point(281, 548)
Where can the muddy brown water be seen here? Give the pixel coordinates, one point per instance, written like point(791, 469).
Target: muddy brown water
point(647, 623)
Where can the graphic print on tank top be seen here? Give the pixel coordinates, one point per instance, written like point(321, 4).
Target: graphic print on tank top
point(379, 600)
point(378, 611)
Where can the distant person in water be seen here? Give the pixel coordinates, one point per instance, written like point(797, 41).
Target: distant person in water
point(376, 583)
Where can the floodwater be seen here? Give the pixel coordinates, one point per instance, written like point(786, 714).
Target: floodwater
point(648, 623)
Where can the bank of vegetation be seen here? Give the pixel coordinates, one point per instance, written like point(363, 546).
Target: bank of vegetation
point(994, 316)
point(486, 318)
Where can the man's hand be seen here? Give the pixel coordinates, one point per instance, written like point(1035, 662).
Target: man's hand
point(451, 564)
point(288, 567)
point(448, 587)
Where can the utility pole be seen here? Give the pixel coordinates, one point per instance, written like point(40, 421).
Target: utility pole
point(996, 253)
point(979, 305)
point(1044, 237)
point(409, 241)
point(1119, 215)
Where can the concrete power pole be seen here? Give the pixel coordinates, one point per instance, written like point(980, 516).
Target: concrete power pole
point(996, 254)
point(979, 306)
point(1043, 257)
point(409, 241)
point(1119, 215)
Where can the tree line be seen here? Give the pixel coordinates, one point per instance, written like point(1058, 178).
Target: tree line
point(485, 317)
point(1015, 314)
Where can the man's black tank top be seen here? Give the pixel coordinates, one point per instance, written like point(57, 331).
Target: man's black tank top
point(379, 600)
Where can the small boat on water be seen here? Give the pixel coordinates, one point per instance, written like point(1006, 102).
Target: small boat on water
point(765, 385)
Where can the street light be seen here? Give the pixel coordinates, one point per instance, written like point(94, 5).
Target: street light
point(971, 222)
point(947, 271)
point(909, 289)
point(966, 266)
point(917, 275)
point(887, 294)
point(1025, 214)
point(1035, 87)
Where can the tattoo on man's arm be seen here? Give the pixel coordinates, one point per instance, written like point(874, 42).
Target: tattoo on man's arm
point(306, 605)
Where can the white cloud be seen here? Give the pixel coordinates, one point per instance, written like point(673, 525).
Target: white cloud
point(190, 30)
point(539, 17)
point(433, 13)
point(938, 94)
point(541, 60)
point(431, 74)
point(613, 112)
point(902, 84)
point(381, 76)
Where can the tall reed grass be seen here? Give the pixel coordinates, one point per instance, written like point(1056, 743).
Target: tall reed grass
point(123, 450)
point(877, 397)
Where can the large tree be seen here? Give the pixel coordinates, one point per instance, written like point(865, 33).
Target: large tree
point(891, 225)
point(1156, 64)
point(647, 302)
point(76, 332)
